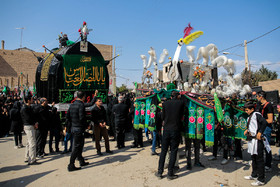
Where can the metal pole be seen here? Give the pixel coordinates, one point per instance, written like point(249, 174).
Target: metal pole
point(21, 35)
point(21, 38)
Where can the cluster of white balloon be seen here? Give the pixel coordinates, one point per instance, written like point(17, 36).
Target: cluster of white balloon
point(229, 84)
point(152, 59)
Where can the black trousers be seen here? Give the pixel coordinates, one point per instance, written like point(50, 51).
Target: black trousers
point(169, 139)
point(138, 137)
point(41, 140)
point(258, 163)
point(56, 134)
point(18, 137)
point(78, 145)
point(217, 141)
point(188, 143)
point(120, 135)
point(238, 148)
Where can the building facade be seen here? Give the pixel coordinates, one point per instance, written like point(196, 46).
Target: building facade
point(18, 67)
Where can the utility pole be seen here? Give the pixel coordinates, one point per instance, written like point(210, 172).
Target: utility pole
point(246, 56)
point(21, 35)
point(247, 66)
point(114, 72)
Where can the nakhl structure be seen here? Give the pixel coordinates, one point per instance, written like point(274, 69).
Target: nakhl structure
point(75, 66)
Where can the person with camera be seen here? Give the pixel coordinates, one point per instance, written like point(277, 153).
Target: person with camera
point(266, 109)
point(256, 125)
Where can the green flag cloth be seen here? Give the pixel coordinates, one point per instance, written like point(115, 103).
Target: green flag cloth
point(228, 121)
point(5, 90)
point(240, 123)
point(142, 114)
point(191, 120)
point(209, 126)
point(219, 110)
point(137, 114)
point(170, 86)
point(69, 42)
point(148, 111)
point(164, 93)
point(200, 122)
point(235, 122)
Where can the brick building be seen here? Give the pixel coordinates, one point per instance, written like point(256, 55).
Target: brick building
point(18, 67)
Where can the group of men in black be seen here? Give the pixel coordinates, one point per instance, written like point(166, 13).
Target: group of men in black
point(38, 118)
point(76, 118)
point(259, 131)
point(46, 117)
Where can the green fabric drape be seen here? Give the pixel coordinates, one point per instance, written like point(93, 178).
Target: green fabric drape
point(209, 126)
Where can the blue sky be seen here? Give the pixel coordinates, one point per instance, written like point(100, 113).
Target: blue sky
point(135, 26)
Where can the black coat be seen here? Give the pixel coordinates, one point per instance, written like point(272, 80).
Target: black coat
point(120, 112)
point(172, 114)
point(15, 117)
point(76, 116)
point(44, 118)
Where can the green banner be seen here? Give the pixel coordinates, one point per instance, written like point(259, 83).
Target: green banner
point(235, 122)
point(137, 114)
point(67, 96)
point(218, 107)
point(84, 72)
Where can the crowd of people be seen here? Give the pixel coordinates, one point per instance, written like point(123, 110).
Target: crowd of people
point(37, 118)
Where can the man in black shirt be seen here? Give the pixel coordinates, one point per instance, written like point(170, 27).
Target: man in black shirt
point(98, 116)
point(120, 112)
point(76, 116)
point(44, 120)
point(172, 115)
point(27, 116)
point(266, 109)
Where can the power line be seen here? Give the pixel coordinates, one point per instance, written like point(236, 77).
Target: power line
point(242, 45)
point(129, 69)
point(263, 35)
point(267, 64)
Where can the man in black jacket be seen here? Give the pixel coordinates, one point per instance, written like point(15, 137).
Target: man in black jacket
point(172, 115)
point(76, 115)
point(120, 112)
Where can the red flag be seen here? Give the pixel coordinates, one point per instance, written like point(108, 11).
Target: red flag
point(187, 30)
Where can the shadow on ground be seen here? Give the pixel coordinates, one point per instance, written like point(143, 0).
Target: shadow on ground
point(24, 181)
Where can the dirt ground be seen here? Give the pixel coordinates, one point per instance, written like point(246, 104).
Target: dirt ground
point(126, 167)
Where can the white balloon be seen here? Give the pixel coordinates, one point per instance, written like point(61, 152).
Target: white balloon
point(190, 53)
point(203, 53)
point(152, 57)
point(163, 56)
point(144, 59)
point(219, 61)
